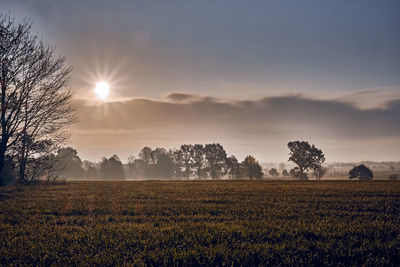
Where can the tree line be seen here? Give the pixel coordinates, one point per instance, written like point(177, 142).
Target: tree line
point(195, 162)
point(187, 162)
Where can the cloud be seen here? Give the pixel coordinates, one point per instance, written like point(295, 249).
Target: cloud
point(265, 116)
point(179, 97)
point(370, 98)
point(260, 127)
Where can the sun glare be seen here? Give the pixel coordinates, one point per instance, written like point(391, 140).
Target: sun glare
point(102, 90)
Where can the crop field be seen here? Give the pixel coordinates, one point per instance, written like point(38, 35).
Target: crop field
point(201, 223)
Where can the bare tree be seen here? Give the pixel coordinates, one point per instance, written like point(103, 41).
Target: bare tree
point(47, 167)
point(35, 98)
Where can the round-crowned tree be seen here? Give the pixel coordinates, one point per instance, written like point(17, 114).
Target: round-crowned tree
point(307, 157)
point(251, 168)
point(361, 172)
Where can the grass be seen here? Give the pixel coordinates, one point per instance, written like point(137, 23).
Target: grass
point(201, 223)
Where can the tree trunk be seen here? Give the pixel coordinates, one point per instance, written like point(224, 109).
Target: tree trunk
point(22, 166)
point(4, 139)
point(2, 163)
point(302, 174)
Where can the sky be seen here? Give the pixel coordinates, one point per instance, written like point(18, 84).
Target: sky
point(251, 75)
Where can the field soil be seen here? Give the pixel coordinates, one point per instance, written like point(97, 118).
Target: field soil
point(214, 223)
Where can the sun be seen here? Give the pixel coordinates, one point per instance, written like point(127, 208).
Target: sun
point(102, 90)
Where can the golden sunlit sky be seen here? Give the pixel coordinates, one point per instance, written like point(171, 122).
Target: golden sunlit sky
point(249, 75)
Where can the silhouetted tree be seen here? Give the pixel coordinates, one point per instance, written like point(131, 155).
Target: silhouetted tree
point(70, 163)
point(233, 167)
point(45, 167)
point(116, 167)
point(306, 156)
point(145, 155)
point(393, 177)
point(285, 172)
point(216, 159)
point(156, 153)
point(35, 99)
point(273, 172)
point(138, 168)
point(90, 170)
point(187, 160)
point(165, 166)
point(361, 172)
point(199, 160)
point(251, 168)
point(178, 161)
point(112, 168)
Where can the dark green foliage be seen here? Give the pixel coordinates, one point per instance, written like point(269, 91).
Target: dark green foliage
point(361, 172)
point(201, 223)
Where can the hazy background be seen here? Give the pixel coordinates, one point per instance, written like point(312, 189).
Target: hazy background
point(248, 74)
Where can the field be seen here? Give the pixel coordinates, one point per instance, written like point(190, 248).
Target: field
point(201, 223)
